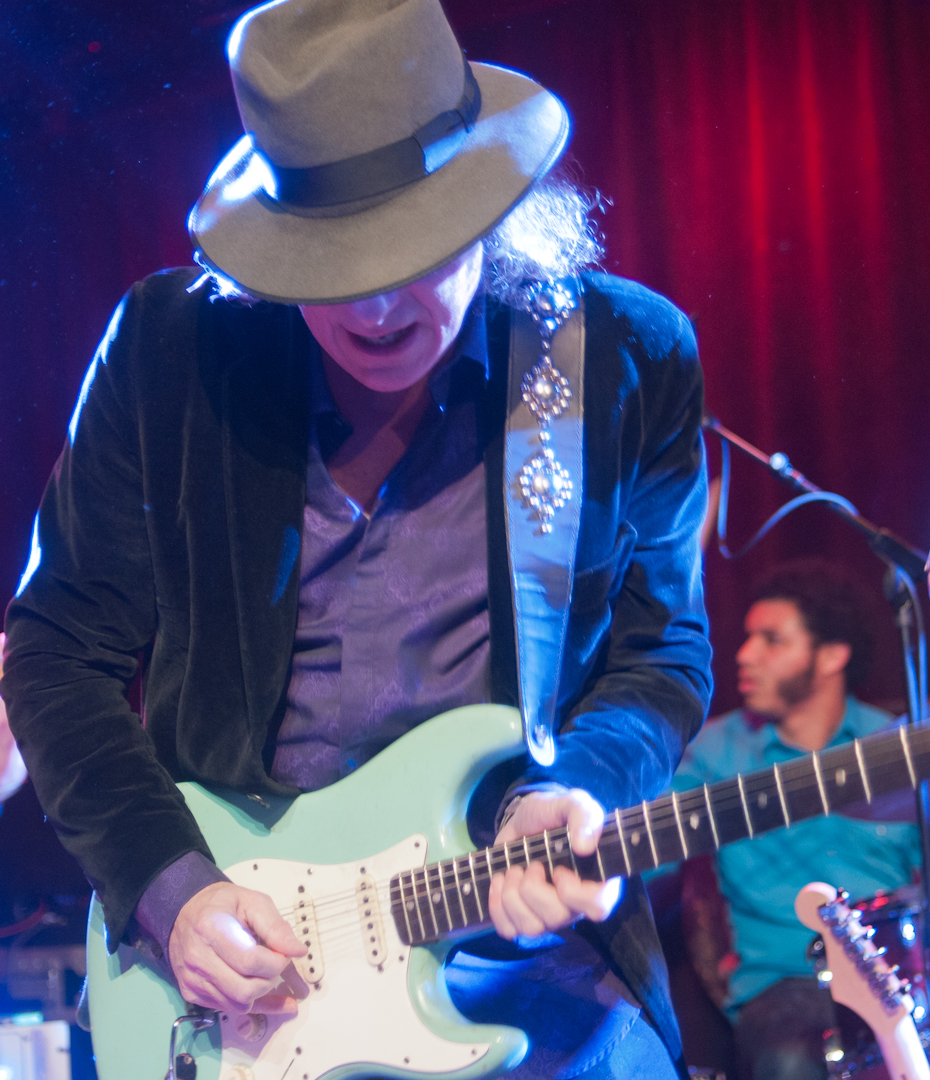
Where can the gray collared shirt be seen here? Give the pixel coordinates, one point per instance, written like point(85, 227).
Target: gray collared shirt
point(392, 624)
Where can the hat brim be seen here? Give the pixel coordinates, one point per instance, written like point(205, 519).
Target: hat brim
point(296, 258)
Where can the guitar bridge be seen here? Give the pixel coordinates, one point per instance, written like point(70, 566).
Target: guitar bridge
point(369, 912)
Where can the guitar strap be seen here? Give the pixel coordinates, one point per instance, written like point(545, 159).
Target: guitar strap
point(543, 469)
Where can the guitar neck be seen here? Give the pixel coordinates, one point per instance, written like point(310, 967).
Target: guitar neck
point(450, 898)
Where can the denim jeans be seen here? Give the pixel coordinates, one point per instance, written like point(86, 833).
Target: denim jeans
point(581, 1020)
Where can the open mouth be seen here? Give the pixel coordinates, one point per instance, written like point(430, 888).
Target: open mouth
point(384, 341)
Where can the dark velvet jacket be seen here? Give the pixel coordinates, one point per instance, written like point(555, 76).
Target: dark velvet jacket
point(170, 531)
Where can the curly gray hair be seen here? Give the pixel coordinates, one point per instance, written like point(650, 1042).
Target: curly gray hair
point(549, 235)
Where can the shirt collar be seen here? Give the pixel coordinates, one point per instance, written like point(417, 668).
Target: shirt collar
point(855, 723)
point(471, 345)
point(853, 726)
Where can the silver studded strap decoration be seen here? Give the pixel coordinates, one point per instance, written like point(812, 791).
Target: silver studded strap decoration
point(543, 474)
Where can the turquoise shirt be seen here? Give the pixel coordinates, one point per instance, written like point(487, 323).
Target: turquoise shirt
point(761, 877)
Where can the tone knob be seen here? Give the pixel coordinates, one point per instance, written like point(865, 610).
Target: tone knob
point(240, 1072)
point(251, 1027)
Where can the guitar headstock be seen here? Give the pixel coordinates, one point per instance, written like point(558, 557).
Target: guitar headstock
point(862, 980)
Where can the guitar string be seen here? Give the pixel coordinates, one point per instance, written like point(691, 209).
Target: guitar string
point(347, 923)
point(433, 898)
point(882, 753)
point(349, 911)
point(536, 843)
point(341, 927)
point(631, 819)
point(726, 797)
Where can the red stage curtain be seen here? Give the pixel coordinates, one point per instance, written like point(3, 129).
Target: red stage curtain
point(768, 165)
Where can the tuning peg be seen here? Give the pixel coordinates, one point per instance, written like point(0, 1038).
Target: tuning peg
point(828, 914)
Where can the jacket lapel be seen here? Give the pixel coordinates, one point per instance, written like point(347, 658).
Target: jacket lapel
point(265, 432)
point(492, 416)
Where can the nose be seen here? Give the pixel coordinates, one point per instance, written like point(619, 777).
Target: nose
point(745, 652)
point(374, 310)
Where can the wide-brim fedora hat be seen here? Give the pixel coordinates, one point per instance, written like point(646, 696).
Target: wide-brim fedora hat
point(374, 152)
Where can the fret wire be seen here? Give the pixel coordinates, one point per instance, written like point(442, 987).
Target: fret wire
point(571, 850)
point(442, 889)
point(626, 854)
point(742, 799)
point(403, 907)
point(416, 904)
point(781, 794)
point(600, 864)
point(681, 831)
point(548, 854)
point(815, 757)
point(710, 817)
point(866, 786)
point(907, 757)
point(652, 843)
point(458, 890)
point(474, 884)
point(429, 900)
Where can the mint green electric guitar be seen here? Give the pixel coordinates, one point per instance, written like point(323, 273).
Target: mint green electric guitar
point(347, 866)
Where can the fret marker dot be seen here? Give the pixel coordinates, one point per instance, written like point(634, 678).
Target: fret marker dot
point(840, 777)
point(466, 888)
point(763, 800)
point(694, 821)
point(634, 837)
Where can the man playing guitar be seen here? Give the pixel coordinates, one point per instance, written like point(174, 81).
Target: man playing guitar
point(284, 487)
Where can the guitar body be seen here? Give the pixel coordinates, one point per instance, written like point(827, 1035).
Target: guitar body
point(374, 1006)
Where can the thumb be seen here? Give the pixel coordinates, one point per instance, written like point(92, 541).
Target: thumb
point(264, 920)
point(585, 822)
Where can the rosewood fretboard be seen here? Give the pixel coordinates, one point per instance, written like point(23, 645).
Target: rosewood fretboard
point(449, 897)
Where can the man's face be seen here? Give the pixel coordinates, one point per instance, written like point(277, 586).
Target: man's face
point(391, 341)
point(777, 662)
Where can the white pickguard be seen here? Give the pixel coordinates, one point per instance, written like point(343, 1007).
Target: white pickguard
point(358, 1010)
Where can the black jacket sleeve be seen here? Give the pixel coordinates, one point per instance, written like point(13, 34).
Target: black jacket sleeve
point(84, 611)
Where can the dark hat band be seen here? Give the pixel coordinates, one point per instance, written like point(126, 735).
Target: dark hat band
point(380, 171)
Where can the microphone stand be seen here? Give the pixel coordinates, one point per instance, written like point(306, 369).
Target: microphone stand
point(905, 564)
